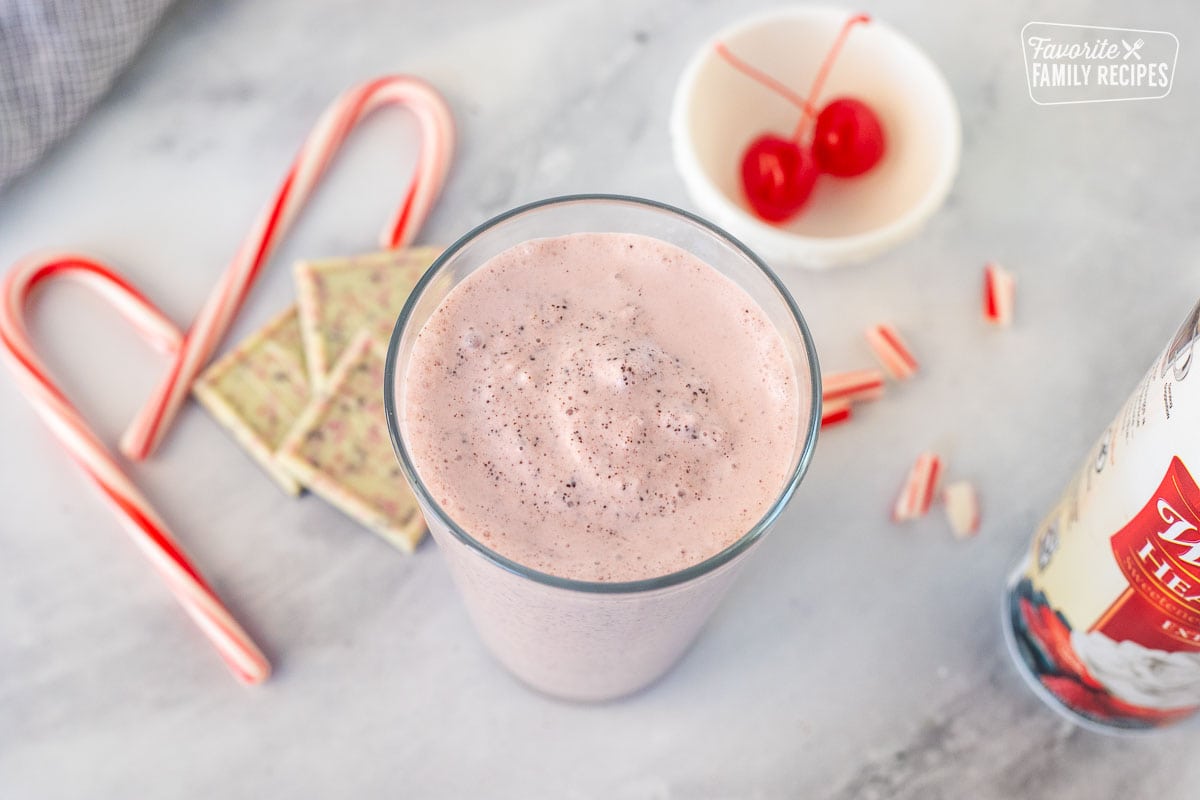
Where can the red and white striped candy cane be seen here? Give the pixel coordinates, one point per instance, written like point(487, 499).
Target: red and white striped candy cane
point(437, 145)
point(135, 513)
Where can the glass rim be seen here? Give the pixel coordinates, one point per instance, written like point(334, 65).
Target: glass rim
point(696, 570)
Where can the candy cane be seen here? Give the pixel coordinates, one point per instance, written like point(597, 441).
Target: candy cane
point(999, 295)
point(135, 513)
point(892, 351)
point(437, 144)
point(854, 386)
point(962, 508)
point(835, 412)
point(919, 488)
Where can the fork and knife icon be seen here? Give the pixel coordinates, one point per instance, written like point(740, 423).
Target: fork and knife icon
point(1132, 49)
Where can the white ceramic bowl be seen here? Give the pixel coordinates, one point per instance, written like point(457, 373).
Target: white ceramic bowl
point(718, 111)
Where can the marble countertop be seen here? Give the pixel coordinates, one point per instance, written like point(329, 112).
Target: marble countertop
point(853, 659)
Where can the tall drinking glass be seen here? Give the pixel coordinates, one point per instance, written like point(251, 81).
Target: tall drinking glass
point(587, 640)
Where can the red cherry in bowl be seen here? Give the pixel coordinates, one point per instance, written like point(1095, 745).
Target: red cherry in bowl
point(778, 176)
point(848, 139)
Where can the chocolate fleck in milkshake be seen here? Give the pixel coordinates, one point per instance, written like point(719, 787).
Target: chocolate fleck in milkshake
point(599, 413)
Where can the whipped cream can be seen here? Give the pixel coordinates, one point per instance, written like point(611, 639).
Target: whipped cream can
point(1103, 615)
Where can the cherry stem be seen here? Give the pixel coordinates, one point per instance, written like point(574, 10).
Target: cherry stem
point(810, 112)
point(762, 77)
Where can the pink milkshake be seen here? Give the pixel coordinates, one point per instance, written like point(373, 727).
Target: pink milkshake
point(598, 425)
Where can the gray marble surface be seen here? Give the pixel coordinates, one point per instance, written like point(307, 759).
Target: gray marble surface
point(854, 659)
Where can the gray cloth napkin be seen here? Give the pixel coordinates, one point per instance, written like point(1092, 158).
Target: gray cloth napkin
point(57, 57)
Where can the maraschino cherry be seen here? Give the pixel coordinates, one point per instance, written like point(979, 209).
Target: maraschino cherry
point(848, 139)
point(845, 139)
point(778, 176)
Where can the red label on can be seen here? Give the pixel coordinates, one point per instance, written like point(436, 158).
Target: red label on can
point(1158, 552)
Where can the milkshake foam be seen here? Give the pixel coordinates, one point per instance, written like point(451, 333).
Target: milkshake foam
point(602, 407)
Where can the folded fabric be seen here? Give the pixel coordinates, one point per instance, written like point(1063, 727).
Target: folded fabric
point(57, 57)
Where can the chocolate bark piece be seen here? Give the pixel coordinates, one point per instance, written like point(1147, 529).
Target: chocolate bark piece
point(340, 449)
point(257, 391)
point(339, 297)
